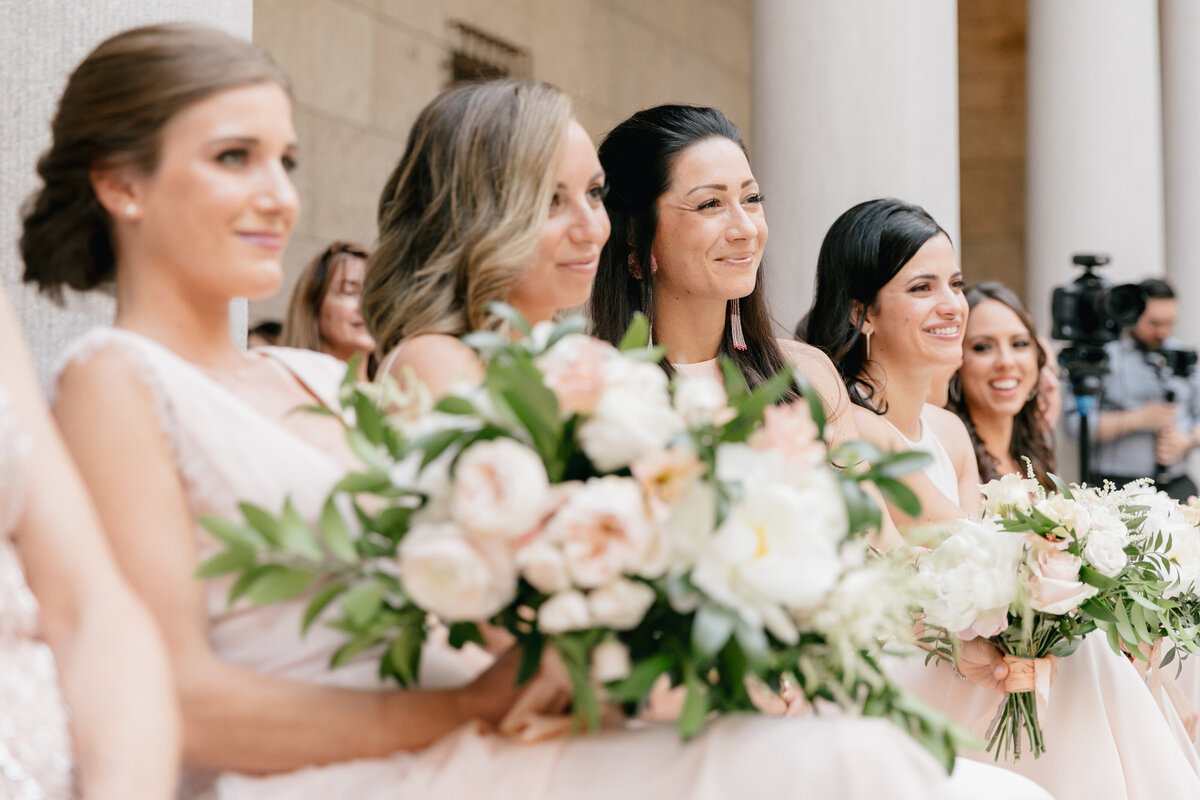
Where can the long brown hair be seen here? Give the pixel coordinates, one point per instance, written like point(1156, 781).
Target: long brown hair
point(112, 111)
point(303, 326)
point(1029, 439)
point(460, 217)
point(638, 156)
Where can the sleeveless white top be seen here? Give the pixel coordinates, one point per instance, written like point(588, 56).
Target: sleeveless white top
point(941, 472)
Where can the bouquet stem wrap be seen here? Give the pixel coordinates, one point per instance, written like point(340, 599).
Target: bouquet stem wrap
point(1027, 691)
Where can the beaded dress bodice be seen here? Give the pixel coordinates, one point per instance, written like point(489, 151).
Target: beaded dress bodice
point(35, 747)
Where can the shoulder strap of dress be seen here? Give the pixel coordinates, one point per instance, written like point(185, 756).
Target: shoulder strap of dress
point(385, 368)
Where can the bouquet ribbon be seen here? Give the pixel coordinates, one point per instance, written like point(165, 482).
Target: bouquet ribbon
point(1162, 683)
point(1031, 675)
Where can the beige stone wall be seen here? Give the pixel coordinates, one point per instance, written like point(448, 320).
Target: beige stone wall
point(362, 69)
point(991, 60)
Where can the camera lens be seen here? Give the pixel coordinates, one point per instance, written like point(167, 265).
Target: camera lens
point(1122, 305)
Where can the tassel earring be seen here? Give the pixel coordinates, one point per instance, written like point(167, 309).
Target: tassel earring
point(735, 325)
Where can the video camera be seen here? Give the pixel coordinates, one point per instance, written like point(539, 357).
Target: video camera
point(1088, 313)
point(1180, 363)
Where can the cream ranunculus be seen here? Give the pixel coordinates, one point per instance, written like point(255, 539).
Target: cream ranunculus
point(633, 416)
point(605, 531)
point(454, 577)
point(1054, 585)
point(564, 612)
point(610, 662)
point(970, 580)
point(1008, 493)
point(543, 565)
point(769, 560)
point(620, 605)
point(574, 369)
point(500, 489)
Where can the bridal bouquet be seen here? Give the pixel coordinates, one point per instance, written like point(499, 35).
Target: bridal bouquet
point(1040, 570)
point(642, 528)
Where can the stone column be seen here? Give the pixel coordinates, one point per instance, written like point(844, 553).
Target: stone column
point(1094, 166)
point(40, 43)
point(853, 100)
point(1180, 31)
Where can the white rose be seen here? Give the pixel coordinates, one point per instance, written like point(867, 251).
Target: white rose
point(610, 662)
point(869, 605)
point(543, 565)
point(605, 530)
point(701, 400)
point(620, 605)
point(500, 489)
point(1072, 517)
point(1007, 493)
point(457, 579)
point(970, 580)
point(633, 415)
point(1104, 547)
point(564, 612)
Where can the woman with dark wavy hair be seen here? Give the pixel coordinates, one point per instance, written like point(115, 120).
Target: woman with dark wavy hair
point(686, 249)
point(995, 391)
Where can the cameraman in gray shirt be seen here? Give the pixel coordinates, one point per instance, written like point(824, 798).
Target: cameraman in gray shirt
point(1149, 411)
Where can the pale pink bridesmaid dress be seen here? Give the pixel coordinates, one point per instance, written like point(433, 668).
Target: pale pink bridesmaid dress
point(35, 745)
point(227, 451)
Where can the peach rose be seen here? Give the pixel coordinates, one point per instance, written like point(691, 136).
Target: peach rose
point(790, 430)
point(574, 371)
point(1054, 587)
point(500, 489)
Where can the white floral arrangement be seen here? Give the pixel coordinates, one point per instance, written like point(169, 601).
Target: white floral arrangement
point(640, 527)
point(1038, 570)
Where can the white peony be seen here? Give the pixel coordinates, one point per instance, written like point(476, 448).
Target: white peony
point(772, 556)
point(633, 415)
point(1007, 493)
point(457, 579)
point(701, 401)
point(610, 662)
point(605, 530)
point(620, 605)
point(500, 489)
point(564, 612)
point(869, 605)
point(970, 579)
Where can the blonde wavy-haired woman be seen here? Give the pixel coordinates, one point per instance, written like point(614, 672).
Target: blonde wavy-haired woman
point(499, 196)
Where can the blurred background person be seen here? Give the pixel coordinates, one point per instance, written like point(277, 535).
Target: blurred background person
point(996, 391)
point(1149, 411)
point(324, 313)
point(265, 334)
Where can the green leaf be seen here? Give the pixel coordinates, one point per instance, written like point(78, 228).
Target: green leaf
point(357, 482)
point(320, 600)
point(278, 584)
point(510, 315)
point(485, 341)
point(637, 335)
point(816, 406)
point(862, 511)
point(236, 558)
point(363, 641)
point(452, 404)
point(434, 444)
point(640, 680)
point(363, 602)
point(1062, 486)
point(463, 632)
point(368, 418)
point(367, 450)
point(231, 533)
point(750, 408)
point(1093, 578)
point(336, 535)
point(262, 521)
point(712, 628)
point(294, 534)
point(897, 465)
point(532, 646)
point(532, 403)
point(735, 382)
point(565, 327)
point(695, 705)
point(247, 579)
point(899, 495)
point(1124, 628)
point(405, 655)
point(1097, 610)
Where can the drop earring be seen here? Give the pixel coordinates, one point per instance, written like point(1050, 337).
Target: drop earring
point(868, 337)
point(735, 325)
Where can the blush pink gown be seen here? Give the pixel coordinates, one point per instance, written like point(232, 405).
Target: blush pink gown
point(226, 451)
point(35, 745)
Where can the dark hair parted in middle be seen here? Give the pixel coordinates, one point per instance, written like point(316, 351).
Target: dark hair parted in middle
point(863, 250)
point(1029, 439)
point(638, 157)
